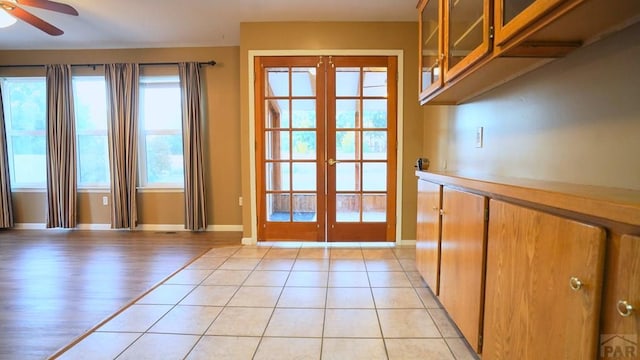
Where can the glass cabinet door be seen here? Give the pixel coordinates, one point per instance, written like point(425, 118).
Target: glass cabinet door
point(431, 52)
point(512, 16)
point(467, 34)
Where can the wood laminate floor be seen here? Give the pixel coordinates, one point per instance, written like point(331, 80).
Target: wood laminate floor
point(56, 285)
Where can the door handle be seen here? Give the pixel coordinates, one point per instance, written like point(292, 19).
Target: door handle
point(332, 162)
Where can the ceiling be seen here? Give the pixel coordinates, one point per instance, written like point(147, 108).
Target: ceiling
point(170, 23)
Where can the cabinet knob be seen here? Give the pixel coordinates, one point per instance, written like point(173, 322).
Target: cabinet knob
point(624, 308)
point(441, 212)
point(575, 284)
point(435, 208)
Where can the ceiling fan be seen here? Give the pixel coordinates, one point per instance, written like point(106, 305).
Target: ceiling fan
point(13, 8)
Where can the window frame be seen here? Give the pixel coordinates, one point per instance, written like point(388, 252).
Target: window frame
point(156, 81)
point(94, 132)
point(10, 133)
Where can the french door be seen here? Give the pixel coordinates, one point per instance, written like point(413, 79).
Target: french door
point(326, 148)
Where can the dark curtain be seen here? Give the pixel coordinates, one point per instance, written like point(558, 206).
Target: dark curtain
point(61, 149)
point(122, 102)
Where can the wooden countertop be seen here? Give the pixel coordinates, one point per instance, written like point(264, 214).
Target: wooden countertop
point(618, 205)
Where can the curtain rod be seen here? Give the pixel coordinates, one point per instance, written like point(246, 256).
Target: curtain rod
point(209, 63)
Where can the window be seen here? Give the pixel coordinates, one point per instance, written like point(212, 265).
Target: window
point(160, 141)
point(90, 108)
point(25, 110)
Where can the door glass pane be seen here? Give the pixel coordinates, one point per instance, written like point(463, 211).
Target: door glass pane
point(305, 208)
point(511, 8)
point(374, 208)
point(276, 145)
point(375, 81)
point(374, 113)
point(304, 176)
point(374, 176)
point(278, 207)
point(430, 47)
point(277, 176)
point(374, 145)
point(346, 148)
point(304, 145)
point(347, 81)
point(304, 113)
point(347, 177)
point(277, 83)
point(303, 81)
point(348, 208)
point(466, 24)
point(347, 112)
point(276, 113)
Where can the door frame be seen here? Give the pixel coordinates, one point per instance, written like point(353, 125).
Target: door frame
point(252, 54)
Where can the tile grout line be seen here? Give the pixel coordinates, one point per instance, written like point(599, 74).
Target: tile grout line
point(178, 302)
point(93, 329)
point(368, 269)
point(220, 312)
point(255, 352)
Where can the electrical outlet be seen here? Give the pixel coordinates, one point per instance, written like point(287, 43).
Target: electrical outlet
point(479, 136)
point(105, 200)
point(240, 201)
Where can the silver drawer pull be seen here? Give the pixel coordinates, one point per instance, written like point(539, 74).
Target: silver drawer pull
point(624, 308)
point(575, 284)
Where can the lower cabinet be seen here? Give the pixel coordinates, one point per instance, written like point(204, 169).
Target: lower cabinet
point(428, 233)
point(462, 260)
point(620, 326)
point(544, 278)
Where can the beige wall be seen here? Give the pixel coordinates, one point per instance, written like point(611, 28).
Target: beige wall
point(575, 120)
point(339, 36)
point(222, 149)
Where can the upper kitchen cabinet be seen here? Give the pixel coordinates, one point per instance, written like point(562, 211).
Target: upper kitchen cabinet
point(431, 46)
point(487, 43)
point(466, 35)
point(512, 16)
point(454, 35)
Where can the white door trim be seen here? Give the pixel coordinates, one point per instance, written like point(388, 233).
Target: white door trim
point(252, 132)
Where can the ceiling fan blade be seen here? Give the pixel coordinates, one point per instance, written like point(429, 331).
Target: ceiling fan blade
point(50, 5)
point(35, 21)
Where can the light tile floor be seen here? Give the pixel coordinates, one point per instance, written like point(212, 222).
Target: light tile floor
point(285, 301)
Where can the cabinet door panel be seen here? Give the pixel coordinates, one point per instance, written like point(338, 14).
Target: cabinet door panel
point(428, 233)
point(462, 260)
point(622, 285)
point(466, 38)
point(531, 311)
point(430, 47)
point(512, 17)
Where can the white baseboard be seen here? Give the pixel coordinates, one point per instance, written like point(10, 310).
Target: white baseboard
point(94, 227)
point(225, 228)
point(407, 242)
point(143, 227)
point(30, 226)
point(180, 227)
point(43, 226)
point(248, 241)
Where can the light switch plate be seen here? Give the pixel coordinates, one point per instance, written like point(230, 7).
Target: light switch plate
point(479, 136)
